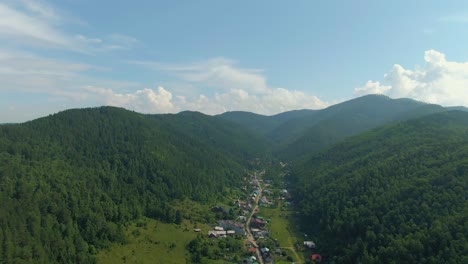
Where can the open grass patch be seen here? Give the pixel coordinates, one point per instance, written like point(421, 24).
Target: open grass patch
point(282, 229)
point(150, 241)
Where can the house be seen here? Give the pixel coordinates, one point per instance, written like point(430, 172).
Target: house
point(231, 225)
point(252, 250)
point(264, 250)
point(198, 230)
point(231, 232)
point(316, 258)
point(309, 244)
point(257, 223)
point(217, 234)
point(250, 260)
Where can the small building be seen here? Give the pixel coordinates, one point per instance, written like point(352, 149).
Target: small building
point(198, 230)
point(252, 250)
point(316, 258)
point(217, 234)
point(231, 225)
point(257, 223)
point(309, 244)
point(218, 228)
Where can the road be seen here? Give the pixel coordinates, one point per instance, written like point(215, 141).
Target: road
point(250, 237)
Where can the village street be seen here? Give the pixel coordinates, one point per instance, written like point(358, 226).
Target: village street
point(265, 221)
point(250, 237)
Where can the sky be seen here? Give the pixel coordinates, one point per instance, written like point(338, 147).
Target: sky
point(215, 56)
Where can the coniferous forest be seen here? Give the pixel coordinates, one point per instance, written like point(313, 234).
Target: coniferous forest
point(70, 182)
point(397, 194)
point(383, 186)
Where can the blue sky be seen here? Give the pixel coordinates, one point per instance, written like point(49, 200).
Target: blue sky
point(216, 56)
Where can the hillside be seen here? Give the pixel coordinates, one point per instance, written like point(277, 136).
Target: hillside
point(295, 134)
point(351, 118)
point(216, 132)
point(396, 194)
point(70, 182)
point(264, 125)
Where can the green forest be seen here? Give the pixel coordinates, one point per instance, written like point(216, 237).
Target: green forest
point(382, 186)
point(397, 194)
point(70, 182)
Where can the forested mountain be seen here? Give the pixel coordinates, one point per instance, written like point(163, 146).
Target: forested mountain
point(216, 132)
point(298, 133)
point(70, 182)
point(350, 118)
point(396, 194)
point(264, 125)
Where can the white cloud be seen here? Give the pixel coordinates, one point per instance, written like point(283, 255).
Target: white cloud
point(372, 88)
point(439, 81)
point(145, 101)
point(28, 25)
point(38, 24)
point(224, 87)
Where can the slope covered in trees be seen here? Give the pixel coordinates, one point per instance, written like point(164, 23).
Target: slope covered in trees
point(71, 181)
point(295, 134)
point(396, 194)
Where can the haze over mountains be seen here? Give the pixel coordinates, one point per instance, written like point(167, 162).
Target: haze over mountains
point(70, 182)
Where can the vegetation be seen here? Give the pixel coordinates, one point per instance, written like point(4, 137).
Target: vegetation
point(69, 183)
point(76, 183)
point(204, 249)
point(295, 134)
point(396, 194)
point(151, 241)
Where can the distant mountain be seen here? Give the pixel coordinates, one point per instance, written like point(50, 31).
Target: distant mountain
point(69, 182)
point(297, 133)
point(459, 108)
point(262, 124)
point(395, 194)
point(352, 117)
point(216, 132)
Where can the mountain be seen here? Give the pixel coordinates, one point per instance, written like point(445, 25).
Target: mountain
point(395, 194)
point(343, 120)
point(70, 182)
point(297, 133)
point(262, 124)
point(216, 132)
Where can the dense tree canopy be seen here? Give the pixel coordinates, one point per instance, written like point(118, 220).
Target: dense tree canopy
point(69, 182)
point(397, 194)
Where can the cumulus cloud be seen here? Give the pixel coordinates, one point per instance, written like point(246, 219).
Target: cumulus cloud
point(438, 81)
point(224, 87)
point(145, 101)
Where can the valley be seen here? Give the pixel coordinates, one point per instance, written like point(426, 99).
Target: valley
point(370, 180)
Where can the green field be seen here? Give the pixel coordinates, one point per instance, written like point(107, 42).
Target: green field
point(154, 243)
point(282, 228)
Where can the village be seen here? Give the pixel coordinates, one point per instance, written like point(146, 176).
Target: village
point(247, 223)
